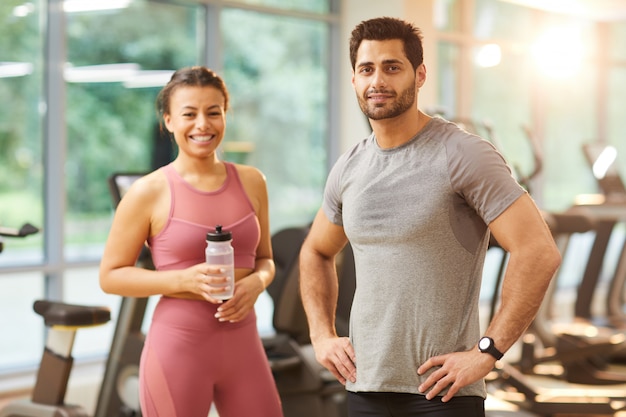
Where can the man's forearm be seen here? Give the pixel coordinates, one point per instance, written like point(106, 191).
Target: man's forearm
point(318, 289)
point(525, 283)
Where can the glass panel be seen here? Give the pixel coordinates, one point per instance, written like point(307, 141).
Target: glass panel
point(501, 20)
point(617, 44)
point(21, 86)
point(22, 342)
point(317, 6)
point(82, 288)
point(447, 16)
point(448, 78)
point(558, 56)
point(616, 92)
point(615, 107)
point(569, 124)
point(502, 103)
point(118, 61)
point(566, 56)
point(278, 85)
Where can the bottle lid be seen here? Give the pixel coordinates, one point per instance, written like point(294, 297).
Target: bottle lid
point(219, 235)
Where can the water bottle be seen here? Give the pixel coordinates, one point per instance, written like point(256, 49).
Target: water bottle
point(220, 254)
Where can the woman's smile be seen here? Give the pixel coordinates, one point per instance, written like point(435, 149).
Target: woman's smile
point(202, 138)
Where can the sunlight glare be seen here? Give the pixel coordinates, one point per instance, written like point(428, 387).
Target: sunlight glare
point(558, 53)
point(489, 55)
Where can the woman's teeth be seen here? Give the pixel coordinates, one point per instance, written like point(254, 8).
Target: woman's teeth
point(203, 138)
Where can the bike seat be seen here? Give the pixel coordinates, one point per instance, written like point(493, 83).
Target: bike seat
point(62, 314)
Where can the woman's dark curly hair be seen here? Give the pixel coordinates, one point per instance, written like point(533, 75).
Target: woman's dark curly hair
point(196, 76)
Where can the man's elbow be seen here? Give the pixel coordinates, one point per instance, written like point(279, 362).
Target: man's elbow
point(308, 253)
point(550, 257)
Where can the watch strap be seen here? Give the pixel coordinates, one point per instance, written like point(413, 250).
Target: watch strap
point(490, 348)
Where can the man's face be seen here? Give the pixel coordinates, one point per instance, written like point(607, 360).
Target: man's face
point(384, 80)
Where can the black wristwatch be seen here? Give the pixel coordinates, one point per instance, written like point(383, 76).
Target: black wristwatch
point(486, 345)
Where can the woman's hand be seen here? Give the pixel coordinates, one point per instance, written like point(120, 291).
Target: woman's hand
point(202, 280)
point(247, 290)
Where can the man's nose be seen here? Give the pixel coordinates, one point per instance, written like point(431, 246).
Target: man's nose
point(378, 80)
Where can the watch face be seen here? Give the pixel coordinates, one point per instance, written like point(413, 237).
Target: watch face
point(484, 343)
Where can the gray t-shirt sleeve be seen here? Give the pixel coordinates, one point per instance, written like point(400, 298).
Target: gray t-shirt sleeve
point(480, 174)
point(333, 204)
point(332, 198)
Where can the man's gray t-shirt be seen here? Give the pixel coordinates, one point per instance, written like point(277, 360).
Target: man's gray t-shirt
point(416, 217)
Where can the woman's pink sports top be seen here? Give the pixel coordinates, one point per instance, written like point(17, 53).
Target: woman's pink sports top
point(193, 213)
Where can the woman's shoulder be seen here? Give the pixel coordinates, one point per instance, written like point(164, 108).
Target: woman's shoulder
point(249, 173)
point(148, 187)
point(254, 183)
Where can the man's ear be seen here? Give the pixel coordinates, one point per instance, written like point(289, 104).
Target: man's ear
point(420, 76)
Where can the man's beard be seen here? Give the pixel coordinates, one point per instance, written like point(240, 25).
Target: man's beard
point(402, 103)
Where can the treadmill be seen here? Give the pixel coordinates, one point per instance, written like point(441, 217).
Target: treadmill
point(544, 394)
point(610, 210)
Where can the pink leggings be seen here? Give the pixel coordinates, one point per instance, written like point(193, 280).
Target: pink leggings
point(191, 360)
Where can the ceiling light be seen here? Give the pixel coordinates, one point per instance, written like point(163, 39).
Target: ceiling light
point(146, 79)
point(15, 69)
point(74, 6)
point(107, 73)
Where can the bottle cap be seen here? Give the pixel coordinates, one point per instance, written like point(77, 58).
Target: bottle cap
point(219, 235)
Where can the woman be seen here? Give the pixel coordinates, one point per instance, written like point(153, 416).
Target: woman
point(199, 350)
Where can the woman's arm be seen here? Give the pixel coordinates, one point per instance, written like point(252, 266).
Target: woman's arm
point(135, 219)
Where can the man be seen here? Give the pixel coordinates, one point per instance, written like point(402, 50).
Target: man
point(418, 200)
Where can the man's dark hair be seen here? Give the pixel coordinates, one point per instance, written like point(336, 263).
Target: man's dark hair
point(387, 28)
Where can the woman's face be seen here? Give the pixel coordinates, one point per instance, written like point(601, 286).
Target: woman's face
point(197, 119)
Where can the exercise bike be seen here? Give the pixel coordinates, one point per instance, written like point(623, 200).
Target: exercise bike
point(62, 322)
